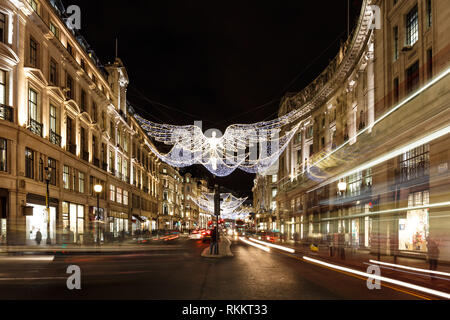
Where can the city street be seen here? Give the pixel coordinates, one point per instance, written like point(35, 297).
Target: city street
point(176, 270)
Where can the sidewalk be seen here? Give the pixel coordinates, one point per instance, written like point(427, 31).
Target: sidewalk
point(359, 259)
point(224, 249)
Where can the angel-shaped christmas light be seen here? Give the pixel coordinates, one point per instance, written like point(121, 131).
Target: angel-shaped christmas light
point(253, 148)
point(230, 206)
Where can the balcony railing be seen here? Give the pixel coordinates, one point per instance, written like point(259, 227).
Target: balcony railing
point(119, 174)
point(146, 189)
point(36, 127)
point(97, 162)
point(6, 113)
point(105, 166)
point(55, 138)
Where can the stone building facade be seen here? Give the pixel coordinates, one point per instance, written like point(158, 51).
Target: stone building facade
point(377, 121)
point(65, 122)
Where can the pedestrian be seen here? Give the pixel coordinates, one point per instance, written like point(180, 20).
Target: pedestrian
point(213, 244)
point(38, 237)
point(433, 253)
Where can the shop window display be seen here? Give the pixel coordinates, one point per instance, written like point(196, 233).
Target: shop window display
point(413, 230)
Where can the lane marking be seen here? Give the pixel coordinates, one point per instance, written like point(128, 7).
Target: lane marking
point(410, 268)
point(273, 245)
point(381, 278)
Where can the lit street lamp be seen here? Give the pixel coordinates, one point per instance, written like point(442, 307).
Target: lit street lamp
point(47, 203)
point(98, 188)
point(342, 186)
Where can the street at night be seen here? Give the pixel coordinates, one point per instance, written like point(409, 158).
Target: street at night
point(177, 271)
point(224, 159)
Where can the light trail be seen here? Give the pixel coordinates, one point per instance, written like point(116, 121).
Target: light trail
point(31, 258)
point(410, 268)
point(381, 278)
point(267, 249)
point(274, 246)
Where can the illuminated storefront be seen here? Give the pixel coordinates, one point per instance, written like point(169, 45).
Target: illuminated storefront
point(413, 230)
point(38, 222)
point(118, 223)
point(73, 222)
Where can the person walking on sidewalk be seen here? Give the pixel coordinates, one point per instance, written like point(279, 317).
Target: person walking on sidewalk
point(433, 253)
point(38, 237)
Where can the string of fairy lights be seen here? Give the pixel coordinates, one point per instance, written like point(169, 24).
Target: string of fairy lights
point(253, 148)
point(231, 207)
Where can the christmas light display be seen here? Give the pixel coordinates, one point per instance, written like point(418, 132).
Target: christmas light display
point(253, 148)
point(230, 206)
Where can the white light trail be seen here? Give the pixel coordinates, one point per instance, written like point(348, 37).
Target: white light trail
point(434, 205)
point(398, 106)
point(274, 246)
point(255, 244)
point(31, 258)
point(381, 278)
point(410, 268)
point(399, 151)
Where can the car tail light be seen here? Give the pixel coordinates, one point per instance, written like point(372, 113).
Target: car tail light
point(209, 232)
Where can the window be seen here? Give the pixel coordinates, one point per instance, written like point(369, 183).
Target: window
point(83, 64)
point(70, 87)
point(32, 104)
point(53, 119)
point(70, 136)
point(412, 77)
point(395, 43)
point(54, 29)
point(274, 178)
point(94, 111)
point(125, 197)
point(52, 170)
point(112, 193)
point(415, 164)
point(165, 196)
point(429, 13)
point(299, 156)
point(83, 101)
point(430, 63)
point(81, 182)
point(311, 149)
point(33, 53)
point(2, 27)
point(29, 163)
point(119, 195)
point(66, 177)
point(396, 90)
point(41, 170)
point(412, 26)
point(3, 155)
point(34, 5)
point(69, 49)
point(274, 192)
point(3, 91)
point(53, 72)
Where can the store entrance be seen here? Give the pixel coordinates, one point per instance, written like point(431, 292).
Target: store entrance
point(38, 223)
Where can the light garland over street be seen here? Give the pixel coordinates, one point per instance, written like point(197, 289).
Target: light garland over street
point(253, 148)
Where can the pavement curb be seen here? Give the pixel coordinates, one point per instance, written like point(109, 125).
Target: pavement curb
point(224, 250)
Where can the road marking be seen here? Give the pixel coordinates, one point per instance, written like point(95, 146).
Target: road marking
point(410, 268)
point(384, 279)
point(274, 246)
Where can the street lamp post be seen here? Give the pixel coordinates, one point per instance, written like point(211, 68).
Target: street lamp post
point(342, 186)
point(47, 203)
point(98, 188)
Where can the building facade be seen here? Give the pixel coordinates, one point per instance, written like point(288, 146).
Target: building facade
point(369, 167)
point(66, 126)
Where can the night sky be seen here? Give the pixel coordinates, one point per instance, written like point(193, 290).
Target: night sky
point(221, 62)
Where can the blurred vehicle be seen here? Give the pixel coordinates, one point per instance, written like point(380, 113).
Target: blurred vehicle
point(206, 235)
point(314, 248)
point(268, 236)
point(196, 234)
